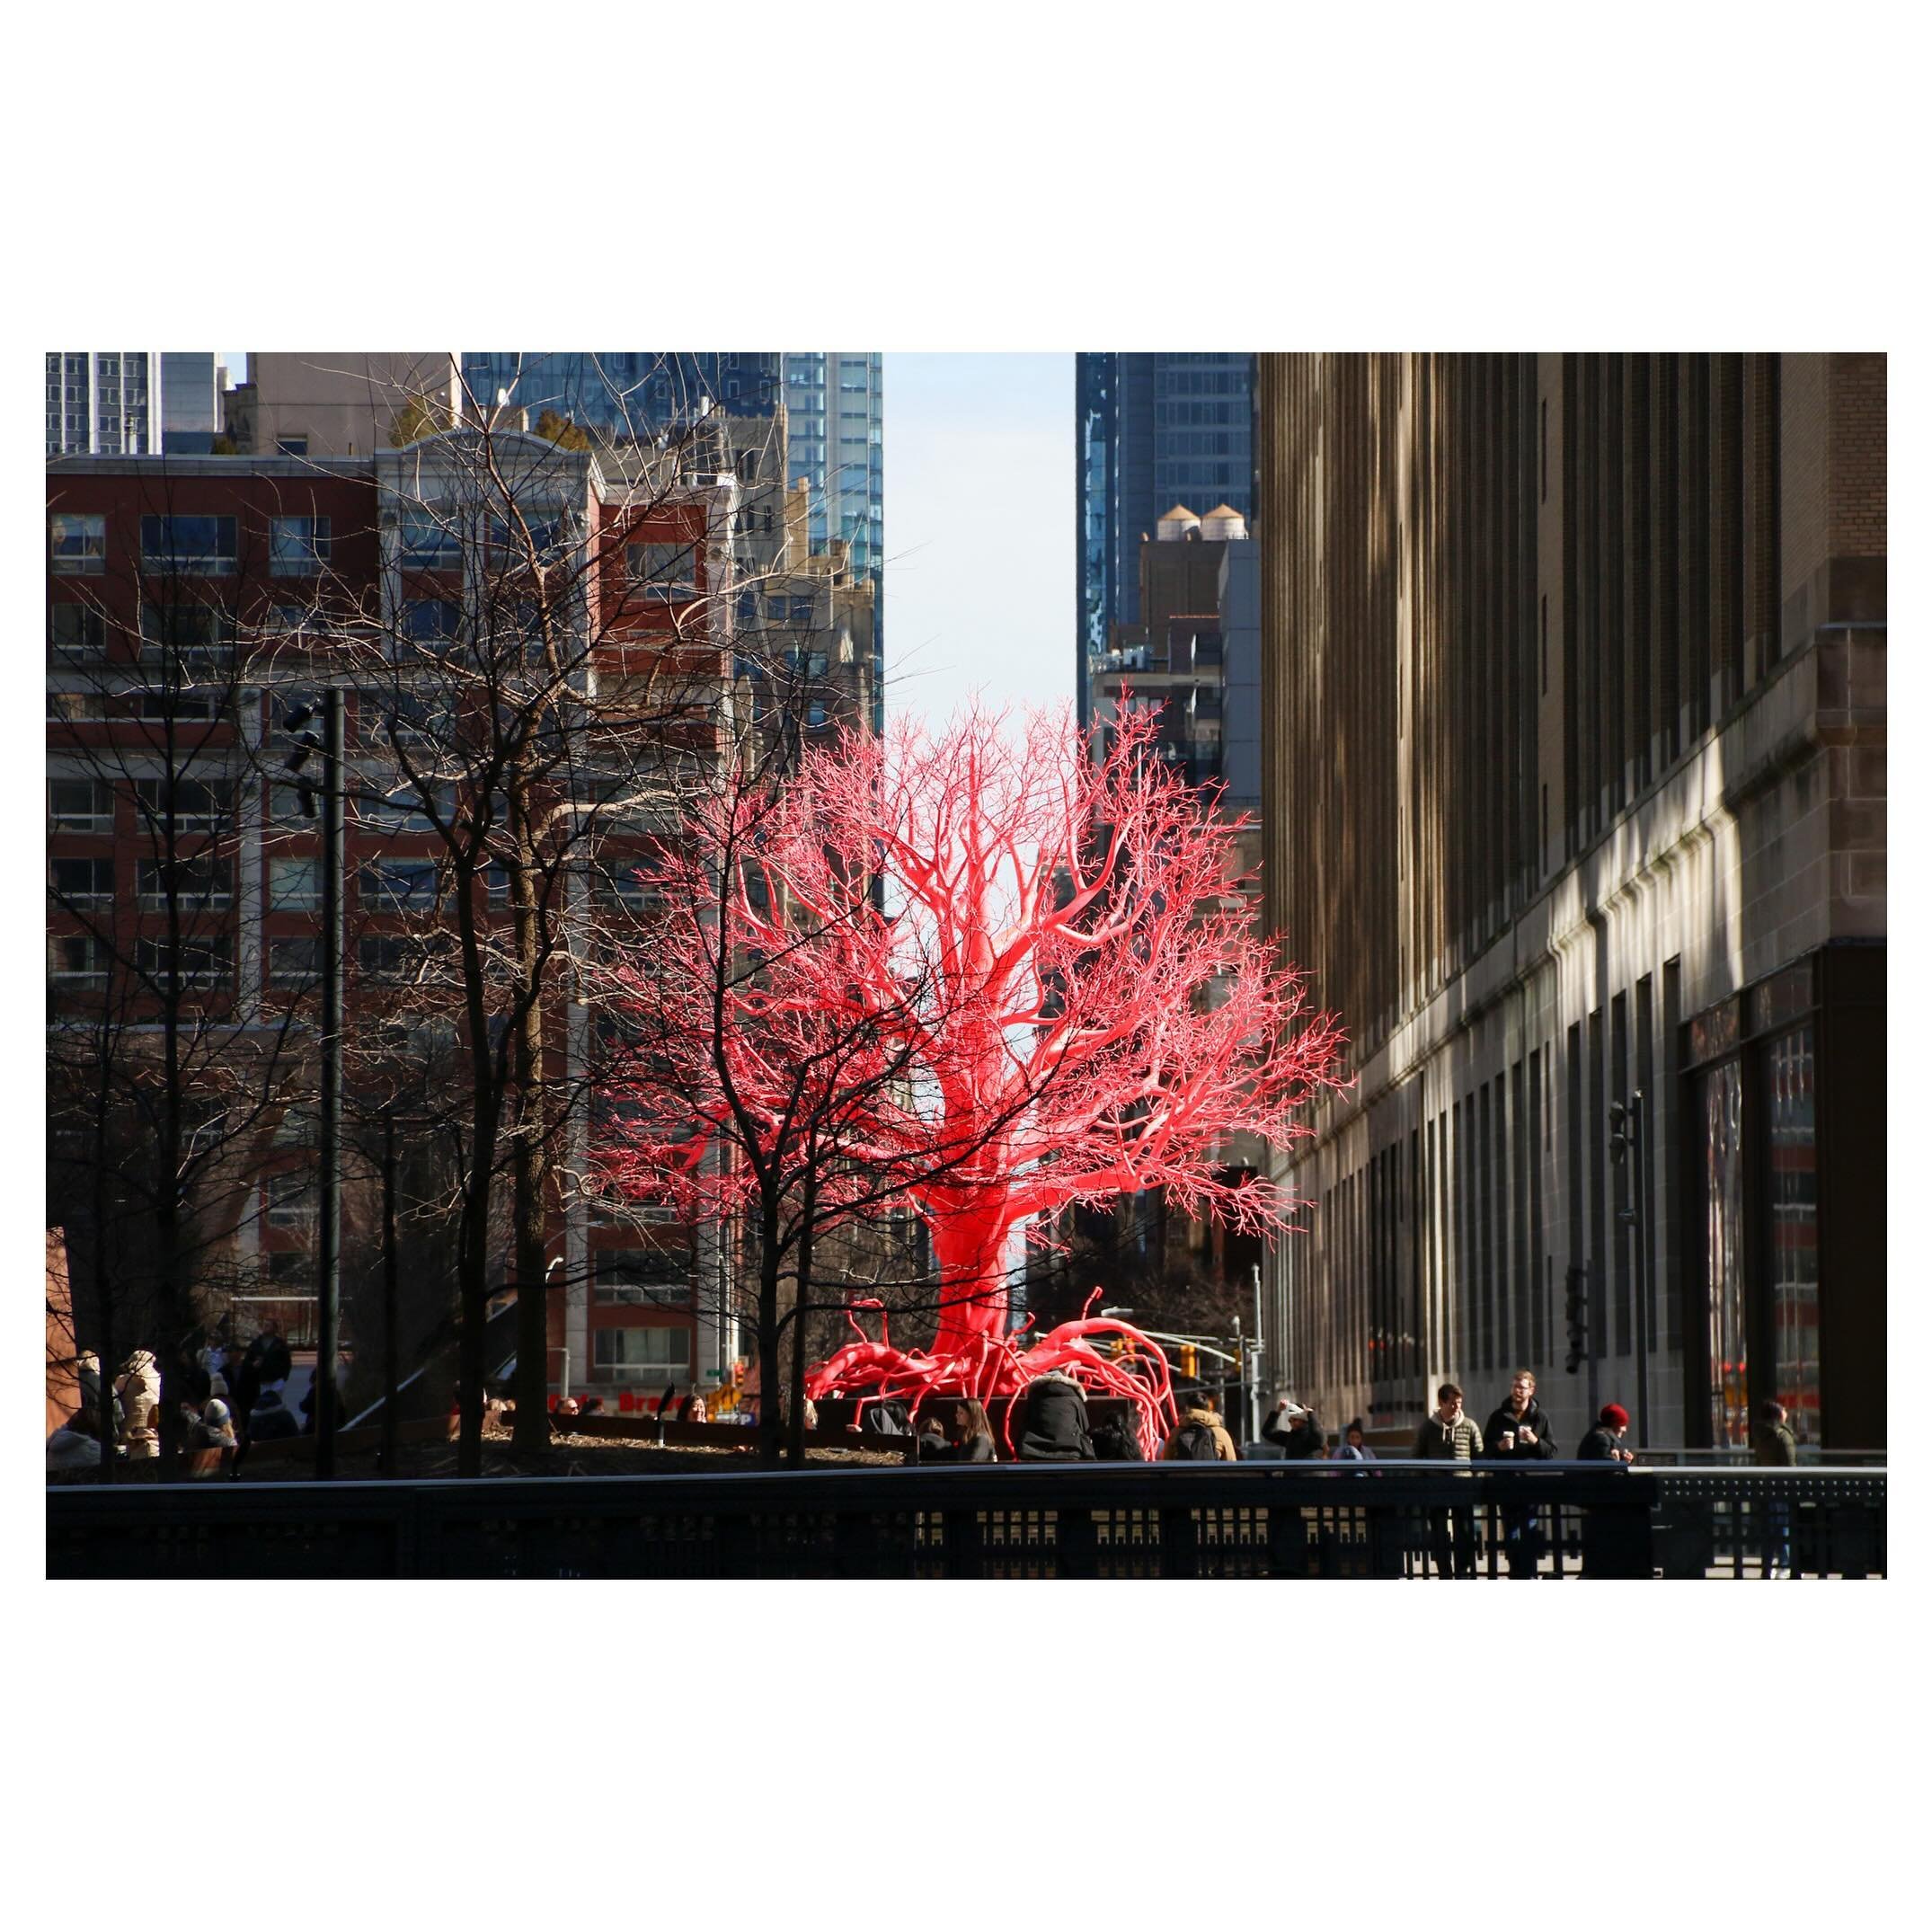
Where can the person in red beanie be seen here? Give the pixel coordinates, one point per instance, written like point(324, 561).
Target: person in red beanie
point(1602, 1443)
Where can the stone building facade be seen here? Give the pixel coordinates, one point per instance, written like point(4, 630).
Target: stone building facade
point(1573, 771)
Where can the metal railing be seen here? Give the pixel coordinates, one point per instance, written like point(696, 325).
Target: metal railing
point(1549, 1521)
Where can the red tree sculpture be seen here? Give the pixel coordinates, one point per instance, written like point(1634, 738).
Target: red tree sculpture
point(1062, 1000)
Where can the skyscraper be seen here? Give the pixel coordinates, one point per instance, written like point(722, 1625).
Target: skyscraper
point(103, 402)
point(834, 402)
point(1154, 430)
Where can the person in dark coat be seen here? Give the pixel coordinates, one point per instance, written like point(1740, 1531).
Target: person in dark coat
point(1603, 1442)
point(88, 1371)
point(1519, 1431)
point(1775, 1446)
point(270, 1420)
point(1295, 1428)
point(1056, 1420)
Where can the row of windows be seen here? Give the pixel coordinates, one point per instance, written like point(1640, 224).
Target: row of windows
point(1201, 443)
point(199, 545)
point(1195, 415)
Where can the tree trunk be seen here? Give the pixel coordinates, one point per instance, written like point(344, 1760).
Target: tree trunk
point(473, 1285)
point(969, 1246)
point(529, 1169)
point(771, 1360)
point(795, 1433)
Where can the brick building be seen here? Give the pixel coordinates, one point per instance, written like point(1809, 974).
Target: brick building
point(191, 602)
point(1573, 743)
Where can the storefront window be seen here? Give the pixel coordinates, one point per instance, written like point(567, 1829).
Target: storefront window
point(1723, 1090)
point(1792, 1081)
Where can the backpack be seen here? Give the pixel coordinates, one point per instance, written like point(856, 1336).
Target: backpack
point(1194, 1442)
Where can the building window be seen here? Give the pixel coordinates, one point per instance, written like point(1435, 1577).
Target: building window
point(291, 446)
point(76, 631)
point(200, 636)
point(72, 960)
point(202, 547)
point(293, 961)
point(427, 542)
point(290, 1198)
point(634, 1354)
point(398, 885)
point(663, 570)
point(654, 1277)
point(80, 805)
point(432, 621)
point(76, 545)
point(195, 962)
point(298, 546)
point(83, 884)
point(75, 707)
point(199, 804)
point(201, 882)
point(1721, 1099)
point(1791, 1086)
point(295, 885)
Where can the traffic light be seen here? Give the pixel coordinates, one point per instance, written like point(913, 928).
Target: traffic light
point(1190, 1362)
point(1576, 1316)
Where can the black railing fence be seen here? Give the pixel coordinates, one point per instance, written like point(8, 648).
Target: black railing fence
point(1548, 1520)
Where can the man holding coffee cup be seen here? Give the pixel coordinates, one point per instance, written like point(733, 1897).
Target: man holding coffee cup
point(1519, 1432)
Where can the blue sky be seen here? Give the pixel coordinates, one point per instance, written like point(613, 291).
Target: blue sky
point(979, 529)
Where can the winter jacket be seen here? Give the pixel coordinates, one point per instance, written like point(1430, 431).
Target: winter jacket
point(1296, 1444)
point(1532, 1418)
point(1056, 1420)
point(68, 1449)
point(1600, 1445)
point(140, 1390)
point(1224, 1444)
point(1775, 1447)
point(270, 1422)
point(1439, 1441)
point(90, 1381)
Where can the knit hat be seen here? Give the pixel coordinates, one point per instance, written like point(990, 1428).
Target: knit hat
point(1614, 1414)
point(217, 1412)
point(217, 1385)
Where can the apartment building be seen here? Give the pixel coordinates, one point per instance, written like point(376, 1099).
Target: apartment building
point(192, 602)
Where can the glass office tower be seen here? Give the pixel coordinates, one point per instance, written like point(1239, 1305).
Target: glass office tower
point(1153, 431)
point(835, 408)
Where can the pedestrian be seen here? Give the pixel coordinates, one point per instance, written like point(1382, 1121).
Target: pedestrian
point(1448, 1435)
point(87, 1371)
point(1601, 1443)
point(75, 1445)
point(213, 1428)
point(972, 1434)
point(1056, 1427)
point(139, 1389)
point(270, 1421)
point(1354, 1447)
point(1293, 1427)
point(1199, 1436)
point(1518, 1430)
point(1774, 1445)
